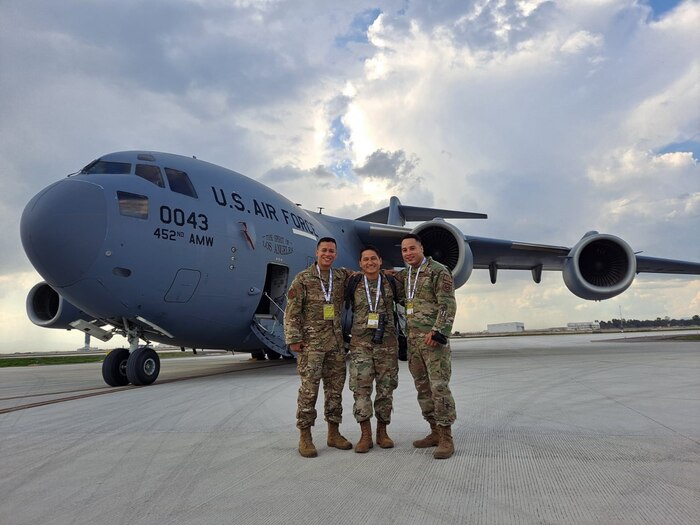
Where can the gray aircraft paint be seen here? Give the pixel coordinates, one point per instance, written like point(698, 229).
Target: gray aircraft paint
point(191, 271)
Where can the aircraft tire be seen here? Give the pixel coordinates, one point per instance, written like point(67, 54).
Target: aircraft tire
point(114, 367)
point(272, 355)
point(143, 366)
point(258, 355)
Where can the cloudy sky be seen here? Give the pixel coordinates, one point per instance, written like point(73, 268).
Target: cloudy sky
point(553, 117)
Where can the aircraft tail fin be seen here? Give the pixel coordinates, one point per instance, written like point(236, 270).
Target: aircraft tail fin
point(396, 214)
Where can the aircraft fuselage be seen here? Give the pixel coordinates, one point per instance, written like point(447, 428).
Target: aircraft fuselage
point(192, 259)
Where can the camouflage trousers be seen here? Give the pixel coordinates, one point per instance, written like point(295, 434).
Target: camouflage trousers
point(314, 366)
point(431, 368)
point(368, 365)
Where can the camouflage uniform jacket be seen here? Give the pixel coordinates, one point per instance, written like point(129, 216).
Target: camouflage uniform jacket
point(303, 318)
point(361, 334)
point(434, 304)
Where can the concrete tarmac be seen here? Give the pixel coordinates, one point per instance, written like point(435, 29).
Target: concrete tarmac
point(550, 429)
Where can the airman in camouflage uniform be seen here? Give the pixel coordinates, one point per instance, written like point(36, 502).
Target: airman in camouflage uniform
point(430, 312)
point(312, 329)
point(370, 362)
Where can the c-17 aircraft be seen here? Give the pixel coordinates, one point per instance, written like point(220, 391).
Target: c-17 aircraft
point(166, 248)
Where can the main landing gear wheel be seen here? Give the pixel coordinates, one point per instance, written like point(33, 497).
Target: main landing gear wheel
point(114, 367)
point(258, 355)
point(143, 366)
point(271, 354)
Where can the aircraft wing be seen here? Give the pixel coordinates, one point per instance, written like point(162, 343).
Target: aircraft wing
point(513, 255)
point(656, 265)
point(599, 266)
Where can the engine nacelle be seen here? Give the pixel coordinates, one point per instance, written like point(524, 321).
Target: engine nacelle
point(46, 308)
point(599, 267)
point(445, 243)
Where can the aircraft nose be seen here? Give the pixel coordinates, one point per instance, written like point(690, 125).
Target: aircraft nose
point(63, 228)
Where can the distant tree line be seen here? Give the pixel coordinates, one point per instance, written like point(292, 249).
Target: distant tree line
point(659, 322)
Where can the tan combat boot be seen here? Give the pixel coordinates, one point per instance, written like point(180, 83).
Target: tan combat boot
point(306, 444)
point(383, 439)
point(365, 442)
point(431, 440)
point(335, 439)
point(446, 446)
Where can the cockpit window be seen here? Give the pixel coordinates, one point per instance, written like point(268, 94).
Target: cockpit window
point(133, 205)
point(150, 173)
point(180, 182)
point(100, 167)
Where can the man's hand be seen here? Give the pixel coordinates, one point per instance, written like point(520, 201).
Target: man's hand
point(429, 339)
point(296, 347)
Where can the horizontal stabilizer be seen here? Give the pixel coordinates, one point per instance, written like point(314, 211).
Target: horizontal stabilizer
point(397, 214)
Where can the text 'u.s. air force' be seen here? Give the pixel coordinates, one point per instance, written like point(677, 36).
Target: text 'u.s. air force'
point(263, 209)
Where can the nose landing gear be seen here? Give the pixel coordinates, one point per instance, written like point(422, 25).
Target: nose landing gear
point(140, 365)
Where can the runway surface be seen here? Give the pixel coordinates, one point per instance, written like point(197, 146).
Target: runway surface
point(550, 429)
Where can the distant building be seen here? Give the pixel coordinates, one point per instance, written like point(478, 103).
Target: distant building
point(589, 325)
point(501, 328)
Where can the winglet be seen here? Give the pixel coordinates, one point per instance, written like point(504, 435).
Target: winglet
point(397, 214)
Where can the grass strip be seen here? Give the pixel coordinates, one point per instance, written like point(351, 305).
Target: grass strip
point(70, 359)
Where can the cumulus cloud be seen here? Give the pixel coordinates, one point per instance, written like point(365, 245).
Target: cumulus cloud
point(289, 173)
point(388, 165)
point(554, 118)
point(580, 42)
point(631, 166)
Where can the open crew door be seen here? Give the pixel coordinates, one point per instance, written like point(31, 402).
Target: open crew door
point(268, 321)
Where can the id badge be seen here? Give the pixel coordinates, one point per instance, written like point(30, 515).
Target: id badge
point(328, 312)
point(373, 320)
point(409, 308)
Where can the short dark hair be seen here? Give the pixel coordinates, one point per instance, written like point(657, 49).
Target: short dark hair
point(369, 247)
point(412, 236)
point(326, 239)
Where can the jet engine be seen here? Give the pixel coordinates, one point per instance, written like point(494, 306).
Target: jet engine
point(599, 267)
point(46, 308)
point(445, 243)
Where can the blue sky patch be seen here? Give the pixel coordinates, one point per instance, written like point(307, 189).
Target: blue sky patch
point(339, 134)
point(342, 168)
point(358, 28)
point(689, 145)
point(661, 7)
